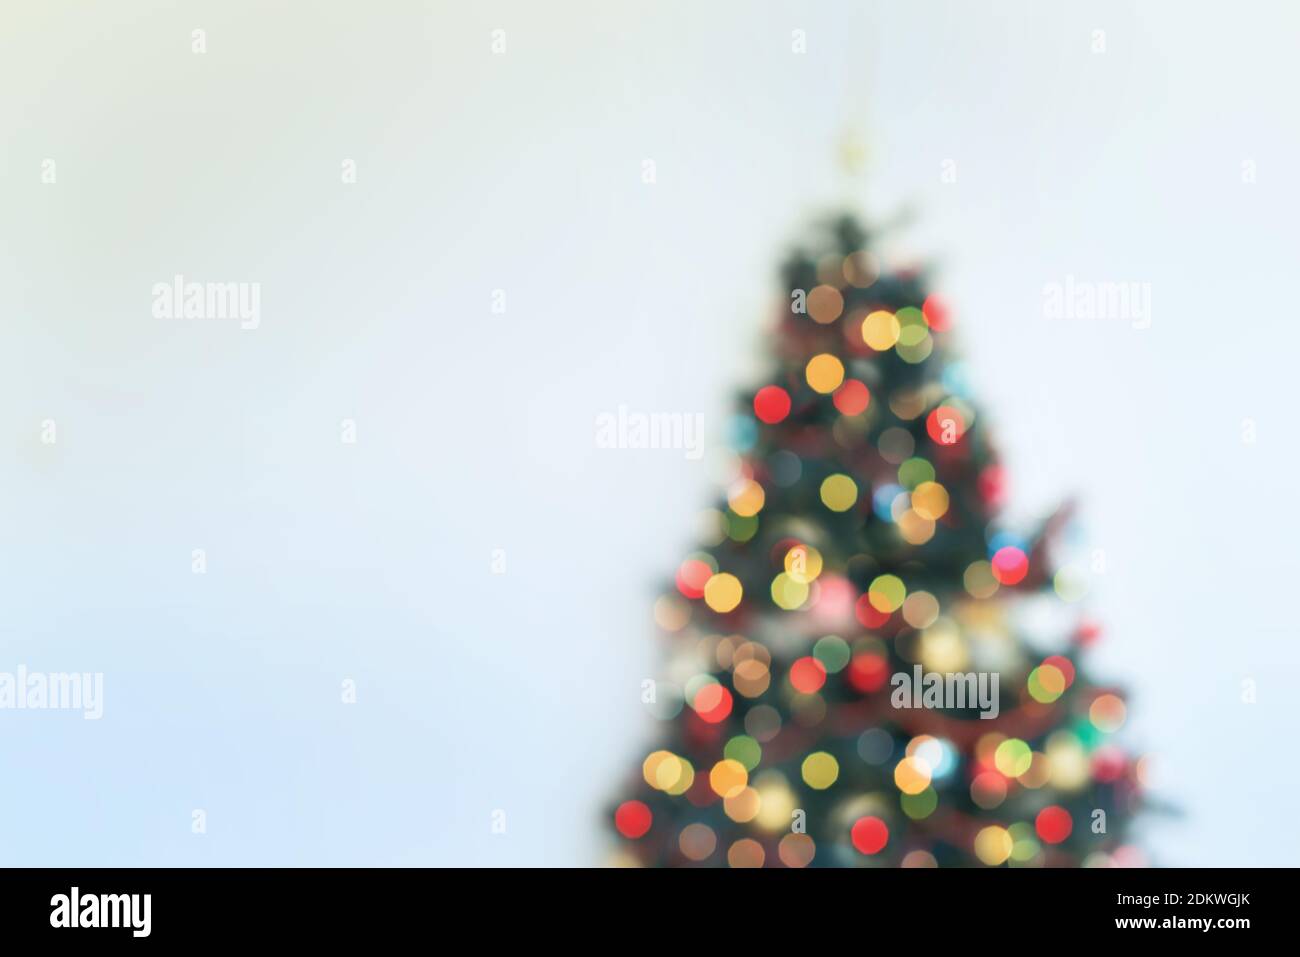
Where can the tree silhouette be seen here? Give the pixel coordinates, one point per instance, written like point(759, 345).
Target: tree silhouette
point(857, 552)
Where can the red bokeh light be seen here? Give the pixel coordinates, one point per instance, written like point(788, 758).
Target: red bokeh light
point(713, 703)
point(1010, 565)
point(1053, 824)
point(633, 819)
point(945, 425)
point(852, 398)
point(807, 675)
point(771, 404)
point(692, 577)
point(869, 834)
point(867, 672)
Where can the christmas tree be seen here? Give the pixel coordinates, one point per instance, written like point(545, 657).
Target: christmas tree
point(854, 675)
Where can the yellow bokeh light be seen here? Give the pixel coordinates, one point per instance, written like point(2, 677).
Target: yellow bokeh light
point(787, 593)
point(661, 770)
point(820, 770)
point(803, 563)
point(887, 593)
point(743, 807)
point(912, 775)
point(930, 500)
point(993, 845)
point(746, 498)
point(880, 330)
point(824, 373)
point(1068, 766)
point(1013, 757)
point(915, 529)
point(1046, 683)
point(776, 802)
point(839, 492)
point(723, 592)
point(728, 778)
point(942, 647)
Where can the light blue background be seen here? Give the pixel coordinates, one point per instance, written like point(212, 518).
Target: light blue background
point(522, 172)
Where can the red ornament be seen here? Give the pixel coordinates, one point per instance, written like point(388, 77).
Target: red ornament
point(867, 672)
point(632, 819)
point(1010, 565)
point(771, 404)
point(807, 675)
point(937, 313)
point(692, 576)
point(868, 614)
point(945, 425)
point(1053, 824)
point(713, 703)
point(869, 834)
point(852, 398)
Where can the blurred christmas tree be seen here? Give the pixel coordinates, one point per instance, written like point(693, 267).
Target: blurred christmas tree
point(855, 554)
